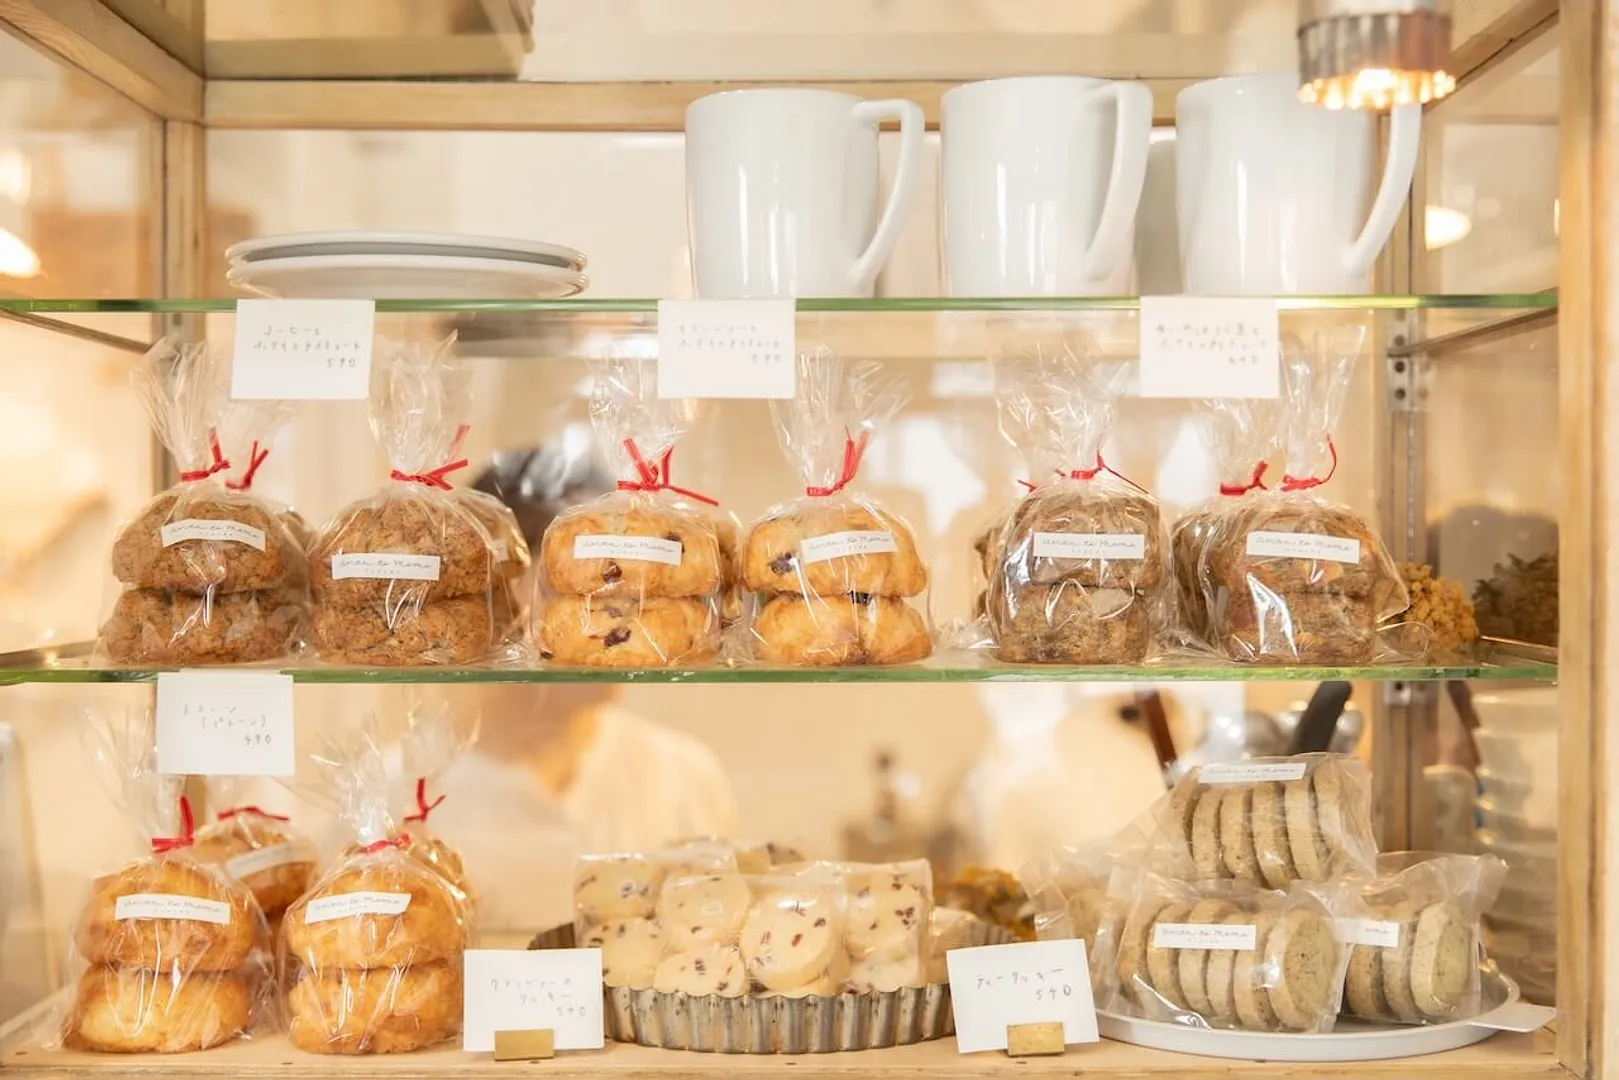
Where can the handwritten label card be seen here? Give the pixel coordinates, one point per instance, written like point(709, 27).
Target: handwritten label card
point(1032, 982)
point(1210, 347)
point(216, 723)
point(313, 350)
point(528, 990)
point(726, 349)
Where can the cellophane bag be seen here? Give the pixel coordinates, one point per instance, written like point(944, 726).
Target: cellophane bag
point(209, 573)
point(1081, 563)
point(1415, 944)
point(405, 576)
point(169, 954)
point(370, 956)
point(436, 734)
point(509, 583)
point(1290, 577)
point(633, 579)
point(262, 850)
point(888, 910)
point(837, 576)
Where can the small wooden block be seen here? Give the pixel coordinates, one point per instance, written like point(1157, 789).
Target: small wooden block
point(1033, 1040)
point(537, 1045)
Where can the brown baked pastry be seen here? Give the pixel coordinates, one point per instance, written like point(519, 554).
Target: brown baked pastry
point(775, 561)
point(1070, 624)
point(381, 1011)
point(403, 631)
point(176, 883)
point(297, 527)
point(260, 852)
point(826, 631)
point(132, 1011)
point(1230, 565)
point(155, 626)
point(1298, 628)
point(265, 557)
point(1069, 512)
point(404, 522)
point(696, 574)
point(431, 928)
point(627, 632)
point(1188, 541)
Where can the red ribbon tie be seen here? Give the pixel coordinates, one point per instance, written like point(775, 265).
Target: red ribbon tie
point(236, 811)
point(433, 478)
point(219, 464)
point(162, 844)
point(1257, 481)
point(402, 841)
point(655, 477)
point(423, 807)
point(1103, 467)
point(255, 458)
point(853, 450)
point(1305, 483)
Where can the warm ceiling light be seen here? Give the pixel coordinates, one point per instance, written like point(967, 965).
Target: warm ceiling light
point(1373, 54)
point(17, 259)
point(1443, 226)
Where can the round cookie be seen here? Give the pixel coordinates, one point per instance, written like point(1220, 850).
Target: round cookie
point(787, 945)
point(631, 949)
point(382, 1011)
point(1193, 963)
point(885, 975)
point(1132, 956)
point(1311, 858)
point(1248, 977)
point(161, 943)
point(131, 1010)
point(1206, 855)
point(701, 910)
point(157, 627)
point(431, 927)
point(1397, 965)
point(1237, 835)
point(1217, 976)
point(1363, 984)
point(697, 574)
point(622, 632)
point(141, 558)
point(616, 887)
point(1302, 953)
point(1267, 820)
point(716, 971)
point(1163, 969)
point(1443, 961)
point(405, 519)
point(402, 630)
point(885, 918)
point(773, 559)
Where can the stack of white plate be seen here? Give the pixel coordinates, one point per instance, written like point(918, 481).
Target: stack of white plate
point(377, 265)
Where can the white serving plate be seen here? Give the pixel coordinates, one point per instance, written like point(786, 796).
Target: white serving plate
point(1351, 1041)
point(395, 242)
point(405, 277)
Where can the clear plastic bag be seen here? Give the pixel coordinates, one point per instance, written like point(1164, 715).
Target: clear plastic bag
point(509, 585)
point(834, 571)
point(793, 941)
point(887, 913)
point(1069, 890)
point(1288, 576)
point(209, 573)
point(633, 579)
point(436, 734)
point(261, 850)
point(1082, 562)
point(405, 576)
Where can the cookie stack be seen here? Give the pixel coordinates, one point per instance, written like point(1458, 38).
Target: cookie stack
point(833, 577)
point(616, 900)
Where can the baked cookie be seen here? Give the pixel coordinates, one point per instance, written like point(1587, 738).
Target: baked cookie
point(713, 971)
point(1230, 563)
point(886, 974)
point(388, 1010)
point(1163, 964)
point(805, 550)
point(817, 631)
point(701, 911)
point(1267, 818)
point(1397, 991)
point(631, 548)
point(630, 949)
point(153, 626)
point(1069, 624)
point(1237, 835)
point(885, 917)
point(1187, 542)
point(1249, 976)
point(607, 887)
point(1218, 976)
point(190, 540)
point(128, 1010)
point(404, 631)
point(1363, 984)
point(1134, 939)
point(406, 915)
point(1207, 857)
point(625, 632)
point(511, 556)
point(1193, 963)
point(169, 914)
point(1304, 957)
point(1072, 532)
point(1294, 628)
point(788, 945)
point(1444, 961)
point(405, 520)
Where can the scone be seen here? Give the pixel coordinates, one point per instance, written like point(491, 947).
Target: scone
point(1098, 539)
point(402, 521)
point(383, 1011)
point(132, 1011)
point(151, 626)
point(193, 540)
point(1230, 563)
point(814, 631)
point(832, 547)
point(169, 914)
point(405, 915)
point(1069, 624)
point(646, 550)
point(626, 632)
point(273, 862)
point(404, 632)
point(1297, 628)
point(512, 559)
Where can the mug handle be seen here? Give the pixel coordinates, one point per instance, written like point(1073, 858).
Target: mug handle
point(1405, 141)
point(863, 272)
point(1131, 140)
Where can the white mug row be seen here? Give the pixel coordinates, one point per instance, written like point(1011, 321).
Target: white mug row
point(1042, 180)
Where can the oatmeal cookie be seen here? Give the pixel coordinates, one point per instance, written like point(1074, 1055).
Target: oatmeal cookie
point(404, 632)
point(817, 631)
point(1070, 624)
point(682, 556)
point(623, 632)
point(154, 626)
point(1046, 524)
point(775, 559)
point(1298, 628)
point(1187, 542)
point(403, 522)
point(163, 548)
point(1230, 564)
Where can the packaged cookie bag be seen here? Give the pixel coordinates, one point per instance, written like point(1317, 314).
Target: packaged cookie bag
point(1081, 569)
point(833, 571)
point(405, 576)
point(209, 572)
point(509, 581)
point(632, 579)
point(436, 734)
point(255, 847)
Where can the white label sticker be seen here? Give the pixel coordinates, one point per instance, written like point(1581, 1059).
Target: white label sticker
point(524, 990)
point(502, 550)
point(629, 548)
point(345, 905)
point(1374, 932)
point(1210, 347)
point(219, 723)
point(232, 532)
point(314, 350)
point(1204, 936)
point(1031, 982)
point(382, 564)
point(726, 349)
point(1289, 545)
point(1115, 546)
point(170, 906)
point(837, 545)
point(1251, 772)
point(268, 858)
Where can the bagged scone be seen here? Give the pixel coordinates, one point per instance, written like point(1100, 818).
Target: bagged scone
point(405, 576)
point(209, 573)
point(1289, 576)
point(1081, 564)
point(263, 851)
point(834, 572)
point(633, 579)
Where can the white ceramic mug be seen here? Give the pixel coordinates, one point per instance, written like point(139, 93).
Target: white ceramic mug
point(1271, 192)
point(1042, 177)
point(781, 189)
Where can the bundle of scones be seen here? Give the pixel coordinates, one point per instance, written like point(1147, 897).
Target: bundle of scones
point(263, 852)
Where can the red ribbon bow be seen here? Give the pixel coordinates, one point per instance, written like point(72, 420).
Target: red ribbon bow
point(1103, 467)
point(853, 450)
point(1305, 483)
point(433, 478)
point(402, 841)
point(219, 464)
point(161, 844)
point(1258, 481)
point(423, 807)
point(255, 458)
point(235, 811)
point(652, 477)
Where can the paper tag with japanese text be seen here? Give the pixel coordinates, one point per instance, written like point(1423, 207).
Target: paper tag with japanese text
point(1031, 982)
point(224, 723)
point(531, 990)
point(727, 349)
point(311, 350)
point(1210, 347)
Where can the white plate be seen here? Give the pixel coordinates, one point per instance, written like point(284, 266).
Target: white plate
point(393, 242)
point(1352, 1041)
point(405, 277)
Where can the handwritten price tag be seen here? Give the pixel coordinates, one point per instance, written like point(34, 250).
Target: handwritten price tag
point(1210, 347)
point(1031, 982)
point(224, 724)
point(315, 350)
point(530, 990)
point(726, 349)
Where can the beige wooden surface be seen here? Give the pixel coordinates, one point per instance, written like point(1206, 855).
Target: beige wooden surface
point(91, 37)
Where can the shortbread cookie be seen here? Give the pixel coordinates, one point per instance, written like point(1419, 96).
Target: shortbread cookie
point(1443, 961)
point(1249, 973)
point(798, 551)
point(593, 550)
point(1267, 819)
point(787, 945)
point(623, 632)
point(1217, 976)
point(1397, 965)
point(885, 975)
point(1303, 954)
point(1132, 956)
point(1363, 983)
point(1206, 855)
point(1163, 969)
point(616, 887)
point(1311, 857)
point(704, 910)
point(1237, 836)
point(631, 949)
point(1193, 963)
point(715, 971)
point(885, 918)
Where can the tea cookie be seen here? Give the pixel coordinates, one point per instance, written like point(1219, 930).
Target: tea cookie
point(1206, 857)
point(1193, 963)
point(1267, 820)
point(884, 917)
point(1363, 984)
point(713, 971)
point(1397, 965)
point(630, 951)
point(785, 553)
point(1249, 973)
point(1163, 970)
point(1132, 956)
point(624, 632)
point(1311, 858)
point(786, 946)
point(682, 560)
point(1183, 808)
point(884, 975)
point(704, 910)
point(1217, 976)
point(1303, 954)
point(616, 887)
point(1237, 836)
point(1443, 961)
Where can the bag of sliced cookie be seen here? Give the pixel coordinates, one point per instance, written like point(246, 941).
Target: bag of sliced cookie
point(837, 577)
point(633, 579)
point(208, 571)
point(888, 911)
point(1415, 940)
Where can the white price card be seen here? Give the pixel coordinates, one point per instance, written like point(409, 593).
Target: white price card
point(1031, 982)
point(312, 350)
point(726, 349)
point(1210, 347)
point(219, 723)
point(531, 990)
